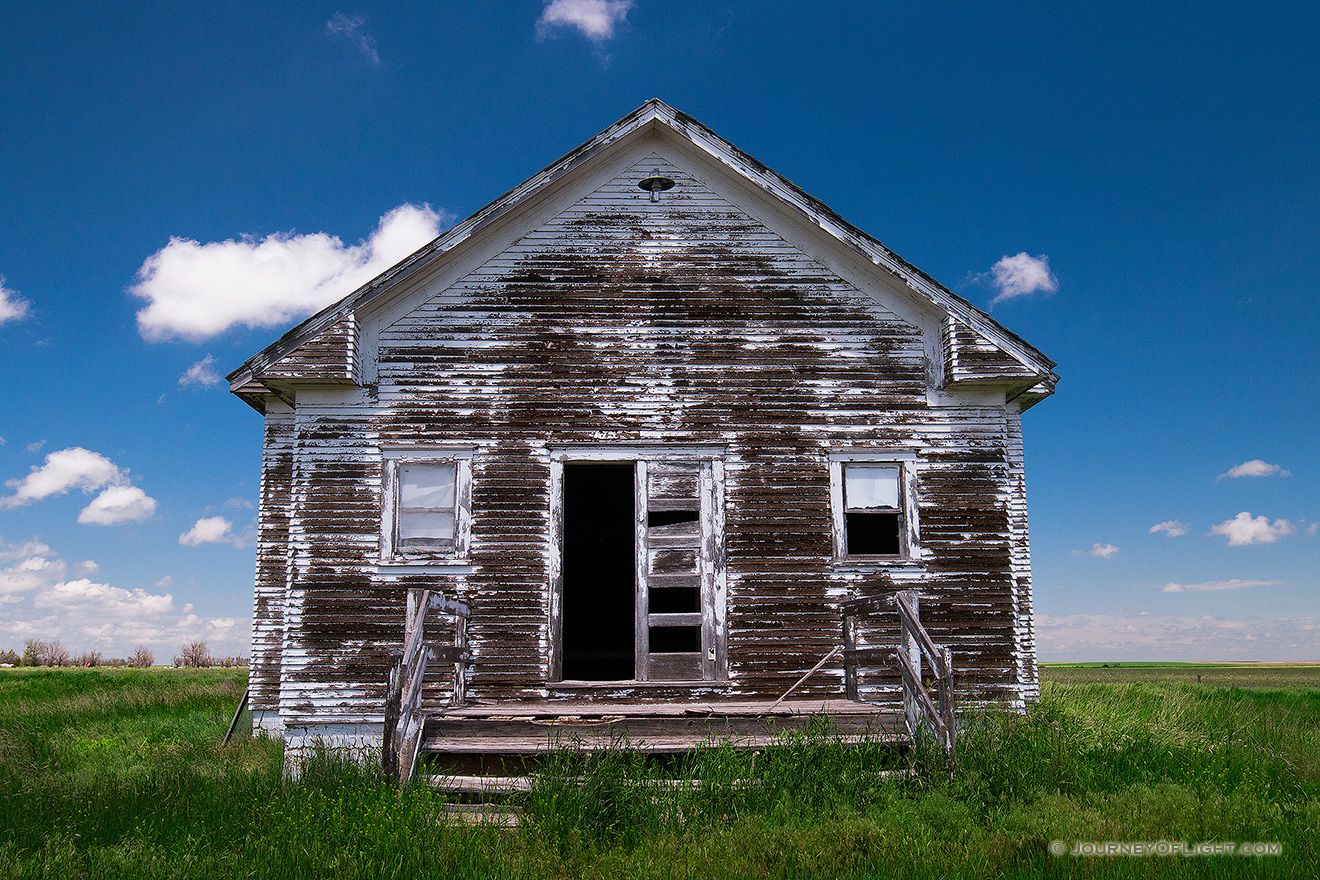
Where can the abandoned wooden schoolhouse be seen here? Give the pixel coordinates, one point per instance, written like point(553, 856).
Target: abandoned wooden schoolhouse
point(654, 443)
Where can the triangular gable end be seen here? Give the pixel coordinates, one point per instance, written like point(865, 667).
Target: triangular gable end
point(694, 268)
point(323, 350)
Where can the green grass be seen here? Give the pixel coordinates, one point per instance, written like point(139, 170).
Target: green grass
point(119, 773)
point(1243, 675)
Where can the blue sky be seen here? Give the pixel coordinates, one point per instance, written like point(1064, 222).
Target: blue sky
point(1155, 169)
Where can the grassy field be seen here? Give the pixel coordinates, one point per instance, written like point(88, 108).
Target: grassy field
point(119, 773)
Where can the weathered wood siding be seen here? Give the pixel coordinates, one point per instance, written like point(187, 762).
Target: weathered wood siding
point(331, 358)
point(272, 558)
point(970, 358)
point(620, 322)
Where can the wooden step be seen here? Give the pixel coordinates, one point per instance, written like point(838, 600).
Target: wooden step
point(488, 785)
point(517, 745)
point(499, 815)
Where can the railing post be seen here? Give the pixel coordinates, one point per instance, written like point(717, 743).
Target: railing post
point(912, 648)
point(850, 663)
point(461, 642)
point(389, 744)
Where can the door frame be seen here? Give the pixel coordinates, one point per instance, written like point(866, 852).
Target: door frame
point(716, 581)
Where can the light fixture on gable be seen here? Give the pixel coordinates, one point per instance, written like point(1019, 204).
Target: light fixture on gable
point(656, 184)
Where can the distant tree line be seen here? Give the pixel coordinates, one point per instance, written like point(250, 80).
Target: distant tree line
point(39, 652)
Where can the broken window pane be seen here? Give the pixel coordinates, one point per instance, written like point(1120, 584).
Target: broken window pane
point(675, 600)
point(675, 639)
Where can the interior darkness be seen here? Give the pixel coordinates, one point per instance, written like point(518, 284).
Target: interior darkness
point(600, 576)
point(675, 600)
point(675, 639)
point(872, 533)
point(656, 518)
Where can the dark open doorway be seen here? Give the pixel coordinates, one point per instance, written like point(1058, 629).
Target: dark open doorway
point(600, 572)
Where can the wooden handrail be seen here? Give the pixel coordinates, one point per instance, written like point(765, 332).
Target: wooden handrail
point(907, 612)
point(915, 642)
point(404, 721)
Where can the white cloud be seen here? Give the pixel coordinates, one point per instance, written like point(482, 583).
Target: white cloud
point(118, 504)
point(1171, 527)
point(12, 306)
point(10, 552)
point(78, 468)
point(196, 291)
point(40, 602)
point(103, 599)
point(164, 583)
point(1242, 530)
point(72, 468)
point(87, 566)
point(201, 373)
point(32, 569)
point(35, 446)
point(1104, 551)
point(211, 530)
point(595, 19)
point(1021, 275)
point(1214, 586)
point(350, 27)
point(1254, 468)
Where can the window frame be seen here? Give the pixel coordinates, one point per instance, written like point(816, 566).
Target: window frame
point(392, 461)
point(909, 530)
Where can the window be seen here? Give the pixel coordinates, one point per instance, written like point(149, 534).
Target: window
point(871, 520)
point(425, 514)
point(874, 501)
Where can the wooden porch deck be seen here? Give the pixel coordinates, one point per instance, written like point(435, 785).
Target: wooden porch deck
point(529, 728)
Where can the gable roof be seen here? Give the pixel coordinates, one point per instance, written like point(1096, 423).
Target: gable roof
point(978, 332)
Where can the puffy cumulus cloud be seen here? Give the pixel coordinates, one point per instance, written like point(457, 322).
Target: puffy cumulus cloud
point(41, 602)
point(78, 468)
point(72, 468)
point(26, 568)
point(1215, 586)
point(1254, 468)
point(118, 504)
point(201, 375)
point(1133, 636)
point(594, 19)
point(212, 530)
point(1020, 275)
point(350, 27)
point(103, 599)
point(1243, 529)
point(195, 291)
point(12, 306)
point(1171, 527)
point(9, 552)
point(1104, 551)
